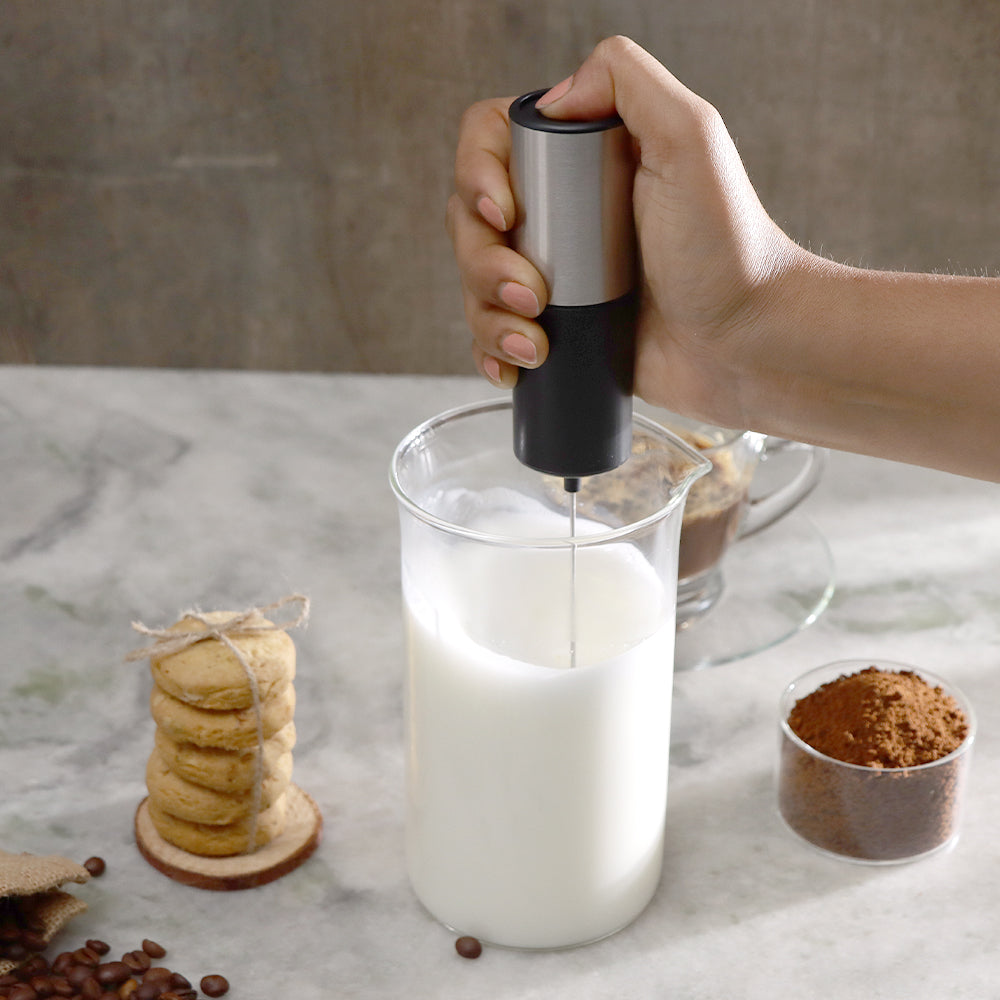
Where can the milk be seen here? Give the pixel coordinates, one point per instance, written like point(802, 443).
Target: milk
point(535, 791)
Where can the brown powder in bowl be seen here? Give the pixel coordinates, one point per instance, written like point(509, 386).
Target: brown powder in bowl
point(879, 718)
point(877, 783)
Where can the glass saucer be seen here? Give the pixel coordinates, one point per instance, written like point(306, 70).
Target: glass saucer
point(776, 583)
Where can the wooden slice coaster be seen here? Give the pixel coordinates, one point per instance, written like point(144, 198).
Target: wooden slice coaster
point(300, 838)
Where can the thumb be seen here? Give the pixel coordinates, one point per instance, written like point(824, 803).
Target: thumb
point(620, 76)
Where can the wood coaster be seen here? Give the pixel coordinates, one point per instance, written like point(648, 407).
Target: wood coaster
point(285, 853)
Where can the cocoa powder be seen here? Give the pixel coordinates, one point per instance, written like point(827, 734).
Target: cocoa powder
point(887, 807)
point(880, 718)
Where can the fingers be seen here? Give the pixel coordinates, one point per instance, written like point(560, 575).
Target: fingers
point(481, 162)
point(619, 75)
point(503, 292)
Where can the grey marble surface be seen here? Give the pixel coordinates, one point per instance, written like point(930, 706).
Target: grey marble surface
point(135, 494)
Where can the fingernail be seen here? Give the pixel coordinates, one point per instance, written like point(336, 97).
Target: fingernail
point(491, 369)
point(490, 211)
point(553, 95)
point(520, 348)
point(520, 298)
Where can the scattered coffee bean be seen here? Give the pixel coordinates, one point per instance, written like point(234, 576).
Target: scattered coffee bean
point(77, 975)
point(149, 990)
point(137, 961)
point(62, 962)
point(84, 973)
point(153, 949)
point(42, 985)
point(91, 989)
point(113, 973)
point(214, 986)
point(96, 866)
point(34, 941)
point(468, 947)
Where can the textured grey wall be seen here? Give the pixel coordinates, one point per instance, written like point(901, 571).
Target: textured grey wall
point(261, 183)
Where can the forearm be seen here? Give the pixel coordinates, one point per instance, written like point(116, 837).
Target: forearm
point(897, 365)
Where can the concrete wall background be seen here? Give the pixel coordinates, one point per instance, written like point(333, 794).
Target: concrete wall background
point(261, 183)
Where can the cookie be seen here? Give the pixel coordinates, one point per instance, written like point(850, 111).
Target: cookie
point(235, 729)
point(208, 673)
point(186, 800)
point(218, 841)
point(227, 770)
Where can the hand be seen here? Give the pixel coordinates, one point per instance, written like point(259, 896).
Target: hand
point(711, 257)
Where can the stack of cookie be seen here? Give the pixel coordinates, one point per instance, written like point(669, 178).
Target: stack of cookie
point(219, 770)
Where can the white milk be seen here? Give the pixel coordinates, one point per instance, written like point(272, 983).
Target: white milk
point(536, 793)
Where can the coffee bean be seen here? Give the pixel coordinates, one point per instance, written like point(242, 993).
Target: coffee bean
point(127, 988)
point(42, 985)
point(468, 947)
point(137, 961)
point(153, 949)
point(96, 866)
point(34, 941)
point(91, 989)
point(22, 992)
point(98, 947)
point(35, 966)
point(62, 962)
point(214, 985)
point(148, 991)
point(113, 973)
point(77, 975)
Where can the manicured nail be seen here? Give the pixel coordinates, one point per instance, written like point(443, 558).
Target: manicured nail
point(520, 298)
point(490, 211)
point(553, 95)
point(520, 348)
point(491, 369)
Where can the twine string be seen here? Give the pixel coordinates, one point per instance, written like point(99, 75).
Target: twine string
point(252, 621)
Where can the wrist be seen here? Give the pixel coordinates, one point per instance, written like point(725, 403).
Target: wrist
point(778, 337)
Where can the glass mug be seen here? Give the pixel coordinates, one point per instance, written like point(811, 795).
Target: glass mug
point(539, 678)
point(729, 504)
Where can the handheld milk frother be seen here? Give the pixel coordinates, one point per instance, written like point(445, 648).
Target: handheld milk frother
point(572, 184)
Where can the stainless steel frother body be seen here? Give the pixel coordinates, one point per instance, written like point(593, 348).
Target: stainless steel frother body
point(572, 184)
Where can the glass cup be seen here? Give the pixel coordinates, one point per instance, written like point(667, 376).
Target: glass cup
point(730, 503)
point(540, 637)
point(870, 815)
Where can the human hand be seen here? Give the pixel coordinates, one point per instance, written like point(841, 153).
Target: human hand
point(710, 254)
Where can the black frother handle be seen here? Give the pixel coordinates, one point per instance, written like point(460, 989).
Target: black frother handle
point(573, 414)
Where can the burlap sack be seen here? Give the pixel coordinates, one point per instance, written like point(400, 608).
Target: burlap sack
point(34, 881)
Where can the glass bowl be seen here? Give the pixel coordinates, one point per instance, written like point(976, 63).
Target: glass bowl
point(866, 814)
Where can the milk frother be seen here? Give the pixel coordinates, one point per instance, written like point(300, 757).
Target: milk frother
point(572, 185)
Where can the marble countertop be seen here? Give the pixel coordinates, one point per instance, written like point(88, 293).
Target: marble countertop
point(137, 494)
